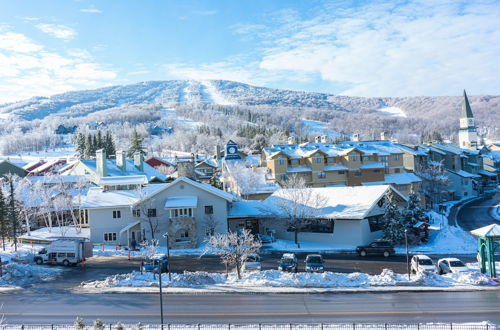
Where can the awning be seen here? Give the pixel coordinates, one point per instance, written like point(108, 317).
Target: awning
point(181, 201)
point(129, 226)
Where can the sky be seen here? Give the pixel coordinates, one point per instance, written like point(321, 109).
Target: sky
point(360, 48)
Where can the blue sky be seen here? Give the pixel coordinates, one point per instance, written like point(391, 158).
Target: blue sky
point(364, 48)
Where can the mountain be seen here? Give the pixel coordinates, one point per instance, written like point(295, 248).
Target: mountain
point(174, 93)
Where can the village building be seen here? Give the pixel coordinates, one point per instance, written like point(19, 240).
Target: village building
point(7, 168)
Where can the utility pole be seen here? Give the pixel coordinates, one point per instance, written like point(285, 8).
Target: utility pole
point(407, 256)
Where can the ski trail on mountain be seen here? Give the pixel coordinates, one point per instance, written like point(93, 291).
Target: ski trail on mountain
point(211, 94)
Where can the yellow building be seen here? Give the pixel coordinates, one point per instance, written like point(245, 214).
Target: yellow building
point(351, 163)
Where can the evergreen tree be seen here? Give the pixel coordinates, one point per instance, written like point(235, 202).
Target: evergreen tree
point(110, 144)
point(4, 225)
point(13, 212)
point(99, 141)
point(88, 146)
point(413, 212)
point(80, 145)
point(94, 144)
point(393, 220)
point(135, 144)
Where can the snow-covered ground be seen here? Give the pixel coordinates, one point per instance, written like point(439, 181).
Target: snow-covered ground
point(171, 114)
point(46, 233)
point(316, 127)
point(113, 250)
point(290, 246)
point(51, 154)
point(21, 274)
point(278, 279)
point(392, 112)
point(495, 212)
point(213, 95)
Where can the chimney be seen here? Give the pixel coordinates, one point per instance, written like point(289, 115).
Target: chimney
point(217, 152)
point(317, 139)
point(325, 139)
point(120, 160)
point(100, 163)
point(292, 140)
point(355, 137)
point(139, 161)
point(384, 136)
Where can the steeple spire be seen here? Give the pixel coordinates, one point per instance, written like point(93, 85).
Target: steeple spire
point(466, 110)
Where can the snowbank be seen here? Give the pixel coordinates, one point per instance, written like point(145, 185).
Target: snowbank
point(16, 274)
point(112, 250)
point(53, 233)
point(289, 246)
point(275, 278)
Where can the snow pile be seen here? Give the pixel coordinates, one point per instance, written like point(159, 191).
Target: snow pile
point(112, 250)
point(16, 274)
point(275, 278)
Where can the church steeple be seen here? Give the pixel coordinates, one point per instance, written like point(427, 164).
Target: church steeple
point(467, 136)
point(466, 110)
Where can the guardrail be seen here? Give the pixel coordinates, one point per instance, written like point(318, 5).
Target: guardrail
point(262, 326)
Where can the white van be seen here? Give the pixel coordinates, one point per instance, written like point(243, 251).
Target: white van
point(64, 251)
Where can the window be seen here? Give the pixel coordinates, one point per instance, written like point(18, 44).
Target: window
point(151, 213)
point(117, 214)
point(376, 223)
point(376, 171)
point(397, 170)
point(110, 237)
point(294, 162)
point(366, 158)
point(357, 173)
point(284, 177)
point(396, 157)
point(281, 162)
point(341, 172)
point(383, 159)
point(317, 160)
point(318, 226)
point(182, 236)
point(136, 213)
point(209, 209)
point(354, 158)
point(330, 159)
point(321, 175)
point(181, 213)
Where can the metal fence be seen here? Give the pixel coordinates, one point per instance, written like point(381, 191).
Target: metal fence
point(263, 326)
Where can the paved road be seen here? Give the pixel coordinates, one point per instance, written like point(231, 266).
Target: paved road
point(477, 214)
point(236, 308)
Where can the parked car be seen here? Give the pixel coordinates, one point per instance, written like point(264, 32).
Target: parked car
point(383, 248)
point(314, 263)
point(156, 263)
point(288, 263)
point(451, 265)
point(421, 264)
point(265, 239)
point(252, 263)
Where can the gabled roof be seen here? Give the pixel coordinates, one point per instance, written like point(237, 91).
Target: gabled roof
point(349, 203)
point(98, 198)
point(488, 231)
point(130, 169)
point(208, 188)
point(466, 110)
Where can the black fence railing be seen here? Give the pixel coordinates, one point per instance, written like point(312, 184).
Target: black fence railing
point(263, 326)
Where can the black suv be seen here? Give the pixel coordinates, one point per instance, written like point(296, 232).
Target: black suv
point(382, 248)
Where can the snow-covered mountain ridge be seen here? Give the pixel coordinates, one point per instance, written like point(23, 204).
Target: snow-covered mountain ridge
point(228, 93)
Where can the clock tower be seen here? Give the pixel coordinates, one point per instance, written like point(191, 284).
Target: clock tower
point(467, 136)
point(231, 151)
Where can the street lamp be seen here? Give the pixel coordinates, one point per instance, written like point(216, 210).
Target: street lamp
point(168, 257)
point(161, 295)
point(407, 256)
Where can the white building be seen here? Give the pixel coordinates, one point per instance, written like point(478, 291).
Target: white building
point(125, 209)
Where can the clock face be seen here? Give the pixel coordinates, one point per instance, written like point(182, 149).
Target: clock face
point(231, 150)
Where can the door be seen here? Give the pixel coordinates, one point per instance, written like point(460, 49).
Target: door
point(253, 226)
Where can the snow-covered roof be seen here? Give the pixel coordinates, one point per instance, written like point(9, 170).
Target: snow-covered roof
point(371, 165)
point(130, 169)
point(418, 151)
point(123, 180)
point(181, 201)
point(339, 202)
point(299, 169)
point(487, 173)
point(245, 209)
point(129, 226)
point(493, 155)
point(208, 188)
point(397, 178)
point(488, 231)
point(55, 179)
point(335, 167)
point(463, 174)
point(98, 198)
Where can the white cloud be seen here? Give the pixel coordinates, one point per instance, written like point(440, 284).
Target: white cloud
point(57, 30)
point(27, 69)
point(414, 48)
point(91, 11)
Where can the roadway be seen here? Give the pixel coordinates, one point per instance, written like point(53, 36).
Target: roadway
point(239, 308)
point(478, 214)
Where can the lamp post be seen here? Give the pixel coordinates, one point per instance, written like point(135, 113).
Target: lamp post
point(161, 295)
point(168, 257)
point(407, 256)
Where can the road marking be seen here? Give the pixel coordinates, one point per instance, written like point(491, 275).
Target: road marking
point(266, 313)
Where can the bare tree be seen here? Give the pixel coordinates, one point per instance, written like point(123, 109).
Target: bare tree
point(147, 211)
point(435, 181)
point(233, 247)
point(297, 203)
